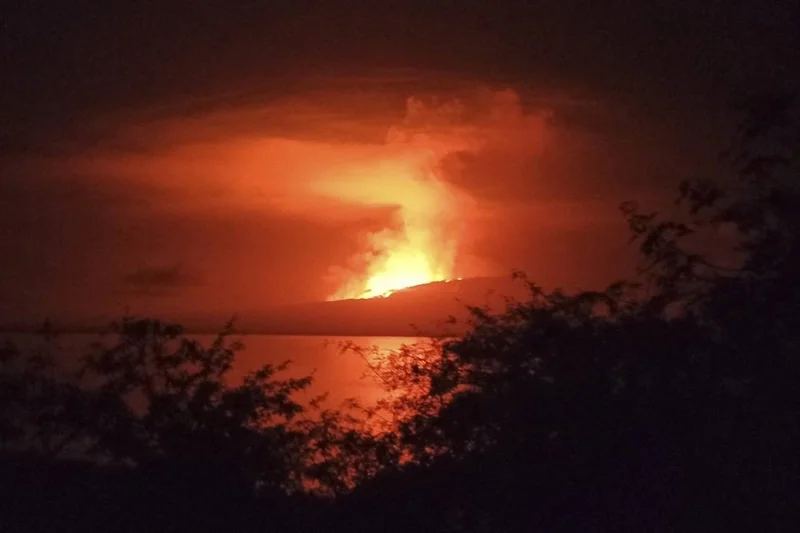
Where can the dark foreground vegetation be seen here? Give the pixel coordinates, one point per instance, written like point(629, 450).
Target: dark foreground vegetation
point(666, 403)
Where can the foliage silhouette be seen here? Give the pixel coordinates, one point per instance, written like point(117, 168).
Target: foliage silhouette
point(668, 402)
point(159, 410)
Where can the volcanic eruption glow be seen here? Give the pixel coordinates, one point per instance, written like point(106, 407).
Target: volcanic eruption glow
point(404, 266)
point(408, 177)
point(401, 259)
point(417, 243)
point(418, 247)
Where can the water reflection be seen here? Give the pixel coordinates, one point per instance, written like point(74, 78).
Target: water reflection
point(342, 374)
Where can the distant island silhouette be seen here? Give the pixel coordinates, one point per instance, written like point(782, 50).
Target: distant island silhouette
point(433, 309)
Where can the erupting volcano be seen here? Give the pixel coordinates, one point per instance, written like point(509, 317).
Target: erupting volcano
point(418, 241)
point(418, 246)
point(404, 264)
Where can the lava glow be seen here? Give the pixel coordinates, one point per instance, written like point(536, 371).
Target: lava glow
point(403, 267)
point(418, 247)
point(401, 262)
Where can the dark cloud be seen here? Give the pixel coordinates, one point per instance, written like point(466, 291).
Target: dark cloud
point(72, 59)
point(161, 279)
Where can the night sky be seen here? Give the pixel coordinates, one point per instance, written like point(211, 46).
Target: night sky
point(169, 156)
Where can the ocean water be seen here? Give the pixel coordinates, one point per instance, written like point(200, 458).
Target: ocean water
point(342, 374)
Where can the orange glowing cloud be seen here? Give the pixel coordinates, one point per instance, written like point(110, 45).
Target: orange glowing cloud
point(320, 164)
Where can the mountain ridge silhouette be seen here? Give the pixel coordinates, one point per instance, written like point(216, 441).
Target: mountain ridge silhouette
point(432, 309)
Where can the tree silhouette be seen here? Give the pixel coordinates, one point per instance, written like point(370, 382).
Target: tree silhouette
point(199, 450)
point(663, 403)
